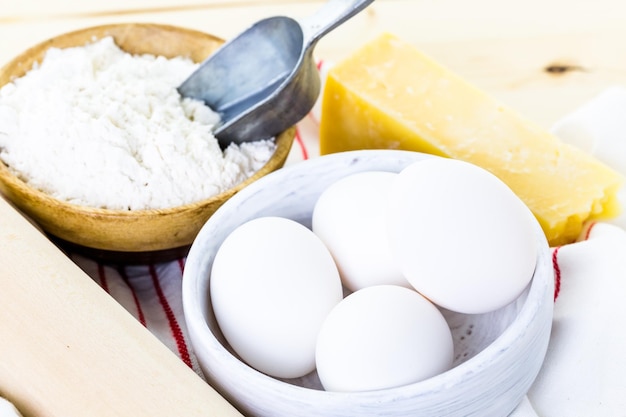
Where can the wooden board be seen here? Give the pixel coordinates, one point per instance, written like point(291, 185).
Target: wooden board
point(68, 349)
point(503, 47)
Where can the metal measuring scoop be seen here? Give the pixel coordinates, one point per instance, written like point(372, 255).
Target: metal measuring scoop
point(265, 79)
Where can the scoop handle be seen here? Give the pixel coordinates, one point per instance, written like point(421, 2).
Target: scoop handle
point(331, 15)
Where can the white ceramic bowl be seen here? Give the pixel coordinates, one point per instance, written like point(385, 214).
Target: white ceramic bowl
point(497, 355)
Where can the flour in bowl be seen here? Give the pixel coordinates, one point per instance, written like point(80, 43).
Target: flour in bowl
point(99, 127)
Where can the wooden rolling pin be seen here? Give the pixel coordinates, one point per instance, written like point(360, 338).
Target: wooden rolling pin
point(67, 349)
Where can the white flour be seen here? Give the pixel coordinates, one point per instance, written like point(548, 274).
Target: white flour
point(96, 126)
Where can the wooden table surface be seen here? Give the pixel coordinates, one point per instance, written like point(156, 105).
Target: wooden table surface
point(541, 57)
point(504, 47)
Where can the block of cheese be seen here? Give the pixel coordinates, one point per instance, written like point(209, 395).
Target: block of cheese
point(389, 95)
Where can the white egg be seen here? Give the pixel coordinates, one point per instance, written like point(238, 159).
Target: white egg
point(382, 337)
point(350, 218)
point(460, 235)
point(272, 284)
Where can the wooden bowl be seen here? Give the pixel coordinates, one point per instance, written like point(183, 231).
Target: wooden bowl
point(133, 235)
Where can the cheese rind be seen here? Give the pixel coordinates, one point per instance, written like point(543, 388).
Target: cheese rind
point(389, 95)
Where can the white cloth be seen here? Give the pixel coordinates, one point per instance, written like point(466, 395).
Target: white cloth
point(583, 374)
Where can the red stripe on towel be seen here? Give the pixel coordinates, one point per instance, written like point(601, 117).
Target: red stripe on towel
point(102, 276)
point(171, 318)
point(140, 316)
point(589, 230)
point(305, 153)
point(557, 272)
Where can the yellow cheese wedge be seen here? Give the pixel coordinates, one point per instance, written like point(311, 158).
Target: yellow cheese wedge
point(389, 95)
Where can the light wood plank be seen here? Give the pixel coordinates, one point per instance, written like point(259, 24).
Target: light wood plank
point(25, 10)
point(68, 349)
point(502, 47)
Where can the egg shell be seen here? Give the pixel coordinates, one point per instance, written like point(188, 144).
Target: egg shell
point(272, 284)
point(380, 337)
point(460, 235)
point(350, 218)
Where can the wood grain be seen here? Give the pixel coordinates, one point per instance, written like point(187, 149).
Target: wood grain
point(68, 349)
point(502, 47)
